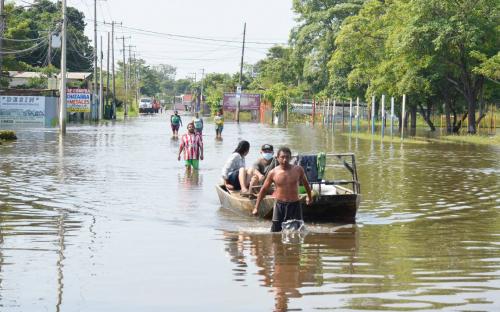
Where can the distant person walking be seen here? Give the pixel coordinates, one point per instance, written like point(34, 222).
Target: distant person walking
point(286, 178)
point(198, 123)
point(192, 145)
point(175, 123)
point(219, 124)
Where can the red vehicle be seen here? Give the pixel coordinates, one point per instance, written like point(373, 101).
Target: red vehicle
point(156, 106)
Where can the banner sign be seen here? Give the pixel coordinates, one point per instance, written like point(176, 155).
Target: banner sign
point(247, 101)
point(22, 109)
point(78, 101)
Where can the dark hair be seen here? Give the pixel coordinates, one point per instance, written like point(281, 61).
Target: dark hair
point(242, 148)
point(284, 149)
point(191, 123)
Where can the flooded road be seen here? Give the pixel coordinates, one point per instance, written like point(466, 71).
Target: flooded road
point(108, 220)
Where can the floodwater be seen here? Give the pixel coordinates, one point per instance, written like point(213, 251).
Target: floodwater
point(108, 220)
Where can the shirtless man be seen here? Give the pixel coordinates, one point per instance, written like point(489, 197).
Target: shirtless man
point(286, 178)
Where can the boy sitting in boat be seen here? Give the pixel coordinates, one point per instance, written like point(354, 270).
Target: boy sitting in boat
point(286, 178)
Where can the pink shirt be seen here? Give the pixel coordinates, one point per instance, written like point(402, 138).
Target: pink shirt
point(192, 144)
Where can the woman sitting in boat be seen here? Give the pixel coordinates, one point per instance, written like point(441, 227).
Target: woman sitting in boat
point(234, 173)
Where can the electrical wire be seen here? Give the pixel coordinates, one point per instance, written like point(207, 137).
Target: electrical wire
point(21, 40)
point(199, 38)
point(32, 48)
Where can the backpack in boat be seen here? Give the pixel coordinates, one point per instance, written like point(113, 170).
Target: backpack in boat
point(313, 165)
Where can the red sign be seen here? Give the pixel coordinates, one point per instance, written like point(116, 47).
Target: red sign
point(247, 101)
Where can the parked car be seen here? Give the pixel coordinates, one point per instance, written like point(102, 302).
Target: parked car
point(146, 106)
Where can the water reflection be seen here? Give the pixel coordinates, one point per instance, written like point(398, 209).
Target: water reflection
point(190, 179)
point(289, 268)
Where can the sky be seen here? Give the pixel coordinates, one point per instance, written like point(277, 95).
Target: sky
point(268, 22)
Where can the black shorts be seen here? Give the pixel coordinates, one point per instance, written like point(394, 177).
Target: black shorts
point(284, 211)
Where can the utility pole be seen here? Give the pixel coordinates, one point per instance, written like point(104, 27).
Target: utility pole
point(49, 52)
point(113, 23)
point(62, 93)
point(125, 108)
point(136, 78)
point(241, 73)
point(129, 71)
point(94, 106)
point(107, 78)
point(193, 108)
point(101, 96)
point(201, 88)
point(2, 30)
point(113, 114)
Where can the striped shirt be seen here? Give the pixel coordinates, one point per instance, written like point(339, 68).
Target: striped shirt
point(192, 145)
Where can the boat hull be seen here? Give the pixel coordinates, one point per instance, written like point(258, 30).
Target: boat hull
point(325, 208)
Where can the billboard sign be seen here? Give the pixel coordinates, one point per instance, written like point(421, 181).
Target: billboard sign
point(22, 109)
point(247, 101)
point(78, 101)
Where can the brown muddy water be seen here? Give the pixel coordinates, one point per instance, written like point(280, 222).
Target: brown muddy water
point(108, 220)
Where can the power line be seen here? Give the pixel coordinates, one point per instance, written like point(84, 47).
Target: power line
point(32, 48)
point(200, 38)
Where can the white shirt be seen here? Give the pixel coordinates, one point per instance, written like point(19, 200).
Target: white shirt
point(235, 162)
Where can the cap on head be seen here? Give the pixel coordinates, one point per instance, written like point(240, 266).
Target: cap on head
point(267, 147)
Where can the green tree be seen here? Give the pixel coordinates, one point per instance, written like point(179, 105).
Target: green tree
point(313, 38)
point(453, 34)
point(29, 27)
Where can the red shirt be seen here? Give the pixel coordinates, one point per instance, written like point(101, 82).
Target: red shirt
point(192, 144)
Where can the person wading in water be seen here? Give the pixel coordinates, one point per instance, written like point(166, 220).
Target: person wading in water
point(192, 145)
point(286, 178)
point(175, 123)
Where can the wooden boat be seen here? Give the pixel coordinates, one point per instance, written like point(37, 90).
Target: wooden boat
point(332, 200)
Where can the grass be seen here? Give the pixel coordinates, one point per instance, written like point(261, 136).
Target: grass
point(387, 138)
point(121, 115)
point(475, 139)
point(8, 135)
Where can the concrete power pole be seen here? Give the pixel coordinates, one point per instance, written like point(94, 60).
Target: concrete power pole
point(113, 109)
point(125, 83)
point(49, 52)
point(94, 102)
point(134, 75)
point(129, 71)
point(107, 77)
point(113, 113)
point(201, 88)
point(241, 73)
point(101, 95)
point(137, 86)
point(62, 93)
point(2, 29)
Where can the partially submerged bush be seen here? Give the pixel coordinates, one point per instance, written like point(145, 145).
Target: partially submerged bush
point(7, 135)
